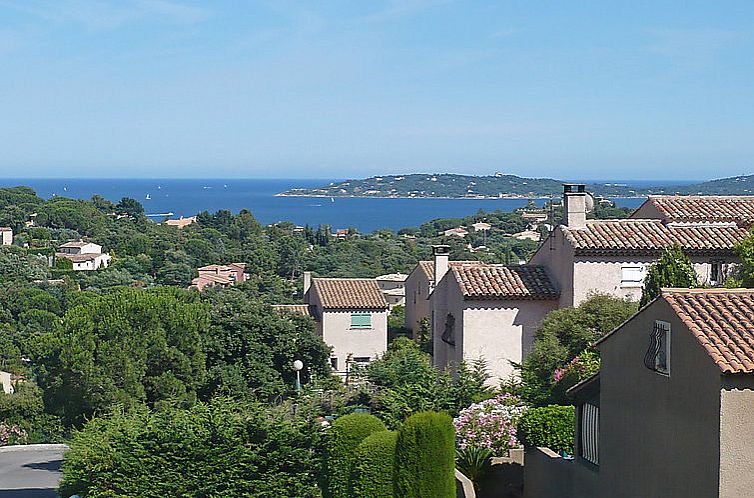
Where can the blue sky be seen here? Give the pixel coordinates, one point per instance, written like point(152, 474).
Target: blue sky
point(169, 88)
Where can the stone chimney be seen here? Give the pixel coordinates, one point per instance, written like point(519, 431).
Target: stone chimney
point(574, 205)
point(442, 256)
point(307, 281)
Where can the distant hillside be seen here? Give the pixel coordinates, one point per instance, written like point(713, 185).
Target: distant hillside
point(499, 185)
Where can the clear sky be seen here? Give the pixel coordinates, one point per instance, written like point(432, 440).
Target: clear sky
point(578, 90)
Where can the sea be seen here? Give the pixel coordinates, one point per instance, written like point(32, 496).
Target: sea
point(185, 197)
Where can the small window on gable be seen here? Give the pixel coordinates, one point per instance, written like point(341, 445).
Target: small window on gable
point(632, 275)
point(658, 354)
point(361, 320)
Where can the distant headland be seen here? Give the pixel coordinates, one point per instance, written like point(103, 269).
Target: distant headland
point(451, 186)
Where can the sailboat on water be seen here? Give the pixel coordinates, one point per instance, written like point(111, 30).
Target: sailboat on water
point(148, 197)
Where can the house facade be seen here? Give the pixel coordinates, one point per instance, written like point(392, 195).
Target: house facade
point(351, 317)
point(220, 275)
point(612, 256)
point(669, 413)
point(6, 236)
point(393, 286)
point(84, 256)
point(485, 311)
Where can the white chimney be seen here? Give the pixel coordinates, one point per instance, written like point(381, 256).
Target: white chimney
point(442, 256)
point(307, 281)
point(574, 205)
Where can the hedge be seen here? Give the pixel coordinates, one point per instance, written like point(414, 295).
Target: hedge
point(345, 435)
point(373, 469)
point(550, 426)
point(425, 457)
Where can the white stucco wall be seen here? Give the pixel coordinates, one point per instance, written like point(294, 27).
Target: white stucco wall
point(345, 341)
point(498, 331)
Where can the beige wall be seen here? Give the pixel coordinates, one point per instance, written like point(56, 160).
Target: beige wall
point(658, 434)
point(345, 341)
point(498, 331)
point(417, 299)
point(579, 276)
point(736, 436)
point(557, 256)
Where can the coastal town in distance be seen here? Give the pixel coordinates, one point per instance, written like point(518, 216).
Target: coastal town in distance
point(385, 249)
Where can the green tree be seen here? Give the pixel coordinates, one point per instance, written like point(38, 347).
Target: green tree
point(561, 336)
point(222, 449)
point(127, 347)
point(425, 457)
point(343, 438)
point(674, 269)
point(373, 471)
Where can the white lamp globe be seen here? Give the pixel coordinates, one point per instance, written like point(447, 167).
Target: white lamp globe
point(298, 365)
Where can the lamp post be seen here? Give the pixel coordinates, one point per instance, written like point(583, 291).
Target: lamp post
point(297, 366)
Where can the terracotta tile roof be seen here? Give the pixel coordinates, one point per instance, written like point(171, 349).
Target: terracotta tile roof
point(301, 309)
point(79, 258)
point(722, 320)
point(652, 236)
point(706, 208)
point(211, 277)
point(349, 293)
point(428, 267)
point(482, 281)
point(78, 243)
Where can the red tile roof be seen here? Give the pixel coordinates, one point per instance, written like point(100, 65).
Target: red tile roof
point(722, 320)
point(428, 267)
point(483, 281)
point(301, 309)
point(349, 293)
point(705, 208)
point(651, 237)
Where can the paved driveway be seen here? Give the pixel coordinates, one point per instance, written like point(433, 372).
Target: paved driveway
point(31, 471)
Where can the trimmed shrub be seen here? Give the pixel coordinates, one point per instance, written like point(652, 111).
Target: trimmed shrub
point(345, 435)
point(373, 468)
point(550, 426)
point(425, 457)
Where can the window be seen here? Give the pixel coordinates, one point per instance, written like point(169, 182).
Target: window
point(589, 429)
point(658, 354)
point(361, 320)
point(361, 361)
point(716, 272)
point(632, 275)
point(334, 363)
point(449, 335)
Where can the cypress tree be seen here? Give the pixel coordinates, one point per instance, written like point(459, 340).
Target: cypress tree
point(674, 269)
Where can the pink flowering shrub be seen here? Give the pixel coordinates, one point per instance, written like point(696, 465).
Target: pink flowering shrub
point(12, 434)
point(490, 424)
point(586, 364)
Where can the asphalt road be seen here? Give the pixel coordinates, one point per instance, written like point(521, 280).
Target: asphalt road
point(30, 472)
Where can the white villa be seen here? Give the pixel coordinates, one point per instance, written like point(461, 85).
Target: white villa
point(393, 286)
point(6, 236)
point(85, 256)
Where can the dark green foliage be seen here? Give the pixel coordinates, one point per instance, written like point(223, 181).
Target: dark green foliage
point(344, 436)
point(745, 270)
point(425, 457)
point(222, 449)
point(127, 347)
point(251, 348)
point(674, 269)
point(474, 462)
point(25, 408)
point(550, 426)
point(374, 466)
point(561, 336)
point(406, 383)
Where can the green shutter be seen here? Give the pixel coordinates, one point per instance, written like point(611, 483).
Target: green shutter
point(361, 320)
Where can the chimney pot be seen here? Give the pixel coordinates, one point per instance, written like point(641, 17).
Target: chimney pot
point(442, 257)
point(307, 282)
point(574, 205)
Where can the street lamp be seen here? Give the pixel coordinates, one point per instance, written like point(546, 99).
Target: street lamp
point(297, 366)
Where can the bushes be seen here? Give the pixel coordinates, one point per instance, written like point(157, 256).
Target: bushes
point(550, 426)
point(223, 449)
point(345, 435)
point(374, 464)
point(425, 457)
